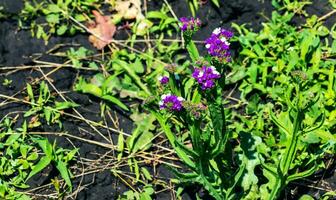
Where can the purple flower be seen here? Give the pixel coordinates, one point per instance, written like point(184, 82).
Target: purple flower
point(163, 79)
point(171, 102)
point(206, 76)
point(190, 24)
point(218, 43)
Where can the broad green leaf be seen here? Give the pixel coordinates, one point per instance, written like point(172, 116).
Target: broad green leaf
point(53, 18)
point(192, 50)
point(12, 138)
point(53, 8)
point(43, 163)
point(62, 29)
point(305, 44)
point(142, 136)
point(46, 147)
point(249, 158)
point(80, 17)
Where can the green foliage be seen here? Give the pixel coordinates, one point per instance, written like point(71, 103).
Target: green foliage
point(57, 15)
point(145, 194)
point(287, 138)
point(21, 159)
point(295, 6)
point(76, 56)
point(44, 106)
point(206, 132)
point(292, 69)
point(286, 76)
point(7, 82)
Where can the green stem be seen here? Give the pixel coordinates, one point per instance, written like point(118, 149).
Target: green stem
point(291, 150)
point(204, 170)
point(279, 184)
point(281, 180)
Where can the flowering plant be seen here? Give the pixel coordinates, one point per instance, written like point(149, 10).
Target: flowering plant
point(199, 128)
point(194, 98)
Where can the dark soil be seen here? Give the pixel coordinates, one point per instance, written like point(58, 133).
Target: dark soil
point(17, 48)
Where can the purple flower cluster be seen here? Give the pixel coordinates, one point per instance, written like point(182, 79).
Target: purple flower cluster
point(163, 79)
point(205, 76)
point(171, 102)
point(218, 43)
point(189, 24)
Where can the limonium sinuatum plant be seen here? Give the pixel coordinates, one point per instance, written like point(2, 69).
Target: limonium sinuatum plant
point(193, 100)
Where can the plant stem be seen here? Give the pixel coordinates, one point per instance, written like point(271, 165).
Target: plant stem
point(290, 153)
point(281, 180)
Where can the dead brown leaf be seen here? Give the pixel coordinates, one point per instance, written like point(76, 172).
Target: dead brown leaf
point(103, 30)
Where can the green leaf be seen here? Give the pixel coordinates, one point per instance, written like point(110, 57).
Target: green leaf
point(54, 8)
point(322, 31)
point(333, 47)
point(146, 173)
point(250, 159)
point(137, 66)
point(192, 50)
point(12, 138)
point(141, 138)
point(172, 138)
point(30, 93)
point(84, 87)
point(53, 18)
point(306, 197)
point(136, 169)
point(80, 17)
point(46, 147)
point(120, 143)
point(62, 168)
point(156, 15)
point(305, 44)
point(62, 29)
point(32, 156)
point(133, 75)
point(216, 2)
point(65, 105)
point(43, 163)
point(248, 53)
point(115, 101)
point(70, 155)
